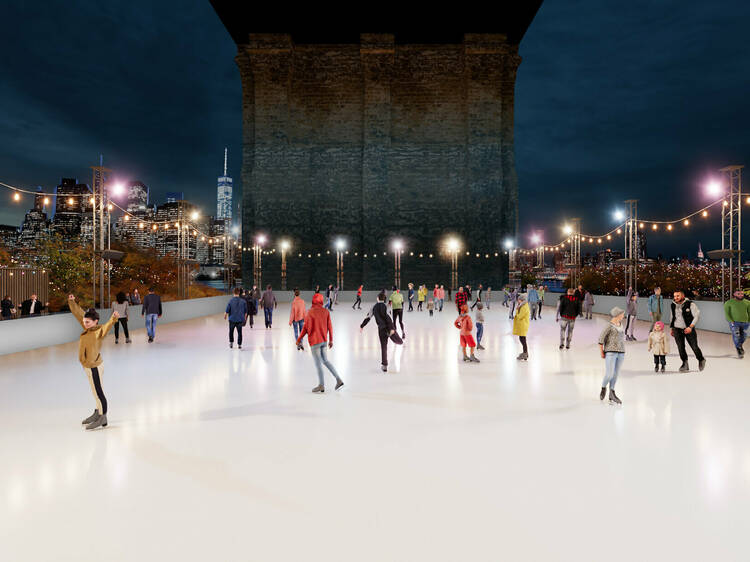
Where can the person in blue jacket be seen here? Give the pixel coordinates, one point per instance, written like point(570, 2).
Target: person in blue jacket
point(237, 313)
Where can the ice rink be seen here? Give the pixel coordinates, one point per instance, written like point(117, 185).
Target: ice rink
point(219, 454)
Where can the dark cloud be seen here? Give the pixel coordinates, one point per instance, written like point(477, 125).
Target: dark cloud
point(614, 100)
point(619, 100)
point(151, 85)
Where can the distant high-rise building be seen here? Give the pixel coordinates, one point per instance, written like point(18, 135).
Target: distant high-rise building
point(72, 202)
point(35, 224)
point(8, 236)
point(137, 197)
point(172, 214)
point(174, 196)
point(224, 195)
point(700, 251)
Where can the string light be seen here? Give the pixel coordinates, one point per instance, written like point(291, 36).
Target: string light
point(687, 222)
point(16, 197)
point(705, 213)
point(46, 201)
point(669, 227)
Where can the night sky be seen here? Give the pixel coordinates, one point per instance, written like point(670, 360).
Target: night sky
point(614, 100)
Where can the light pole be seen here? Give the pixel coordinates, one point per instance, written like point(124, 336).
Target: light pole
point(257, 253)
point(340, 247)
point(537, 239)
point(453, 246)
point(631, 244)
point(284, 247)
point(398, 246)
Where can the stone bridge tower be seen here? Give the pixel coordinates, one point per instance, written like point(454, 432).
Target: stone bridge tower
point(372, 137)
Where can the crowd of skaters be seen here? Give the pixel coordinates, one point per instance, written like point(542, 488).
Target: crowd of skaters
point(315, 323)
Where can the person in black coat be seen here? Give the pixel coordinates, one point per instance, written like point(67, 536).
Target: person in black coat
point(252, 308)
point(386, 328)
point(32, 306)
point(7, 308)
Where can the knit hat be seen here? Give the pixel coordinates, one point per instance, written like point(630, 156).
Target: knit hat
point(660, 324)
point(616, 311)
point(521, 297)
point(317, 299)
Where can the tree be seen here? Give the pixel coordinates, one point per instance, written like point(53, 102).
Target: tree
point(4, 256)
point(69, 270)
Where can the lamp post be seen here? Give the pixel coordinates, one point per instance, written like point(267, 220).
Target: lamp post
point(340, 247)
point(398, 247)
point(257, 253)
point(284, 247)
point(537, 239)
point(453, 247)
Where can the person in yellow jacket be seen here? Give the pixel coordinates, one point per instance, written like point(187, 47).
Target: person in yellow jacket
point(89, 345)
point(521, 325)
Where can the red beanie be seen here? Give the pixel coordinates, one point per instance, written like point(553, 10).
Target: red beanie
point(317, 299)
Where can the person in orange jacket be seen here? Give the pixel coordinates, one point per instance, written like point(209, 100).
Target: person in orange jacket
point(318, 329)
point(358, 302)
point(463, 323)
point(297, 314)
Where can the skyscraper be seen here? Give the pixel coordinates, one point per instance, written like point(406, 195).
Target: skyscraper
point(137, 197)
point(224, 195)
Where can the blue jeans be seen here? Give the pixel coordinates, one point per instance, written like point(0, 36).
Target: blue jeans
point(480, 331)
point(319, 356)
point(268, 313)
point(151, 325)
point(612, 364)
point(739, 332)
point(297, 327)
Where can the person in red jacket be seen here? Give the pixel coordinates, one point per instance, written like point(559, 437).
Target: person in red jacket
point(358, 302)
point(318, 328)
point(461, 299)
point(463, 323)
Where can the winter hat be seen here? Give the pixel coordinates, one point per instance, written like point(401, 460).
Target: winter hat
point(521, 297)
point(660, 324)
point(317, 299)
point(616, 311)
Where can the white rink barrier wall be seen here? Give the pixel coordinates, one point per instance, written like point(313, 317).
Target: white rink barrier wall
point(711, 317)
point(31, 333)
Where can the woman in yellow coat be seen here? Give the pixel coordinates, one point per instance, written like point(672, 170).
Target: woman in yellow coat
point(521, 325)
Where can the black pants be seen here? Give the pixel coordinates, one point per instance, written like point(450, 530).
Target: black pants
point(692, 338)
point(238, 327)
point(411, 304)
point(95, 380)
point(358, 302)
point(124, 322)
point(419, 305)
point(522, 339)
point(475, 303)
point(660, 359)
point(398, 313)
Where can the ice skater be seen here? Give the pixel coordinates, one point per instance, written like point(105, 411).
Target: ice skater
point(89, 346)
point(533, 301)
point(488, 297)
point(358, 302)
point(431, 306)
point(236, 311)
point(410, 296)
point(463, 323)
point(318, 328)
point(612, 348)
point(461, 299)
point(478, 297)
point(121, 306)
point(567, 312)
point(513, 301)
point(632, 312)
point(658, 344)
point(737, 313)
point(152, 310)
point(521, 326)
point(297, 314)
point(479, 321)
point(540, 290)
point(396, 302)
point(588, 305)
point(268, 300)
point(386, 328)
point(685, 315)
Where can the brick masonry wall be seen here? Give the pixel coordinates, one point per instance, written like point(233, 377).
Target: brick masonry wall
point(373, 141)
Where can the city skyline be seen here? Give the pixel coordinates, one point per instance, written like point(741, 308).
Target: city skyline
point(669, 124)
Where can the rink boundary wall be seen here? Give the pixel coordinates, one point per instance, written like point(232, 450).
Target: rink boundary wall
point(711, 317)
point(25, 334)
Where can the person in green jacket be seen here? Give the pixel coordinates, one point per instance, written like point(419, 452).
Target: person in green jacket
point(737, 313)
point(396, 302)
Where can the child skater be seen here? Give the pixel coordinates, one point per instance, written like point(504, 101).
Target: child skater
point(612, 348)
point(521, 325)
point(479, 321)
point(431, 306)
point(658, 344)
point(463, 323)
point(89, 345)
point(318, 327)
